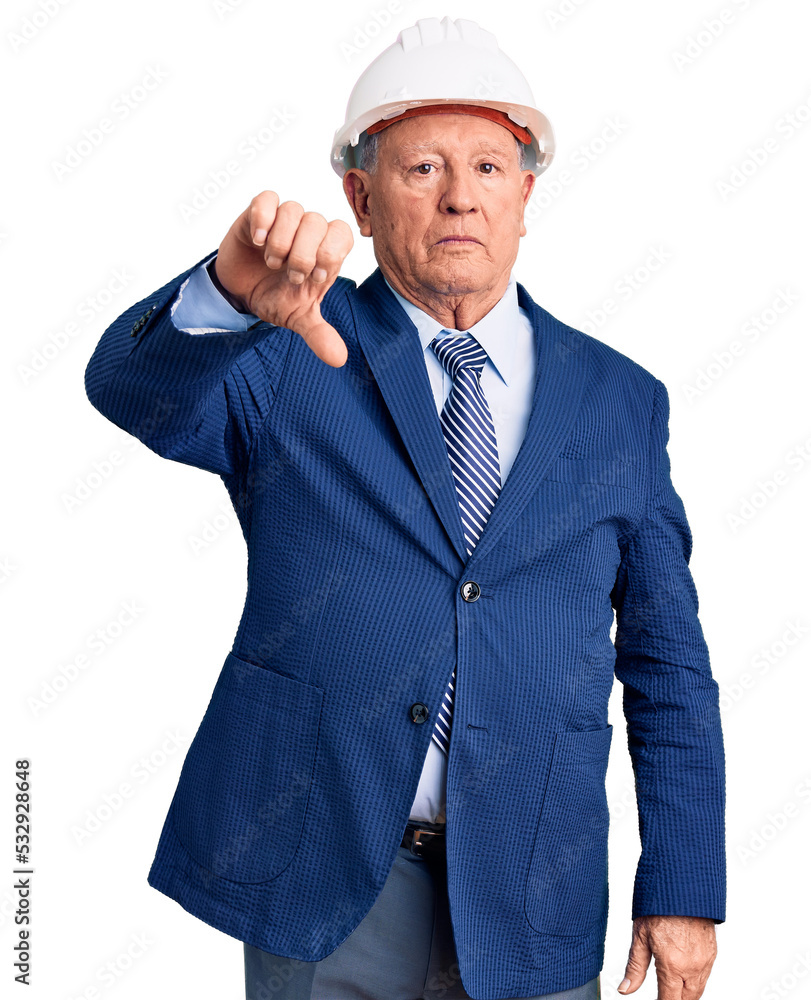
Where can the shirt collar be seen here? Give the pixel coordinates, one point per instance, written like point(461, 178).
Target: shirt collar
point(496, 332)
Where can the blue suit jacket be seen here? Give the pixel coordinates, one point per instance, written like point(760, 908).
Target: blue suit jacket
point(296, 789)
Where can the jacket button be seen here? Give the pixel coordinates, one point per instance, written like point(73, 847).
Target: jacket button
point(419, 712)
point(470, 591)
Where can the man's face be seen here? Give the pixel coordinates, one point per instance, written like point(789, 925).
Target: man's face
point(444, 205)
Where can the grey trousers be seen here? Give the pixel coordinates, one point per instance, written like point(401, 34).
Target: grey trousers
point(403, 949)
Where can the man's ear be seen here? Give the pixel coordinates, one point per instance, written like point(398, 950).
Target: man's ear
point(527, 187)
point(356, 188)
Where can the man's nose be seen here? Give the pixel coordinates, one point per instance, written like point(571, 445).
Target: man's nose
point(460, 195)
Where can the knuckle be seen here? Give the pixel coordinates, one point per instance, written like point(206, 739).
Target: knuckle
point(314, 219)
point(339, 241)
point(300, 260)
point(340, 230)
point(277, 245)
point(328, 258)
point(264, 200)
point(291, 209)
point(328, 249)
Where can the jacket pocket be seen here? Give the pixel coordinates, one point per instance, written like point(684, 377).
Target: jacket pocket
point(597, 471)
point(242, 794)
point(566, 891)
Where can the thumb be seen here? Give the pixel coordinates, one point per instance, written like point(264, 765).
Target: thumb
point(322, 338)
point(639, 959)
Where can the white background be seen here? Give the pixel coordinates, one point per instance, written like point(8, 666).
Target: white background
point(689, 106)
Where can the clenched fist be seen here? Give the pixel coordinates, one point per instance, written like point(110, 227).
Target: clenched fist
point(278, 262)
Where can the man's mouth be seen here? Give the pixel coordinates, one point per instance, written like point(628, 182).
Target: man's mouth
point(458, 239)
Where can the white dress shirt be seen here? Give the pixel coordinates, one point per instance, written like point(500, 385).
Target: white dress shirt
point(507, 379)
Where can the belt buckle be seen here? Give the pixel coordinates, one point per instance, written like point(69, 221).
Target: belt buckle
point(422, 838)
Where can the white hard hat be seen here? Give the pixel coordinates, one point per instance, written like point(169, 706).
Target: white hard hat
point(440, 63)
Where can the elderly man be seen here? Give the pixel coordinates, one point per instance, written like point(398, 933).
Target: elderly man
point(398, 787)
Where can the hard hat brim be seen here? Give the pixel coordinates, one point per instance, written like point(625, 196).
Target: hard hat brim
point(535, 122)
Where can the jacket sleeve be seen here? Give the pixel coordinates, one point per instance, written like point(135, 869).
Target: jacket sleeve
point(191, 398)
point(671, 705)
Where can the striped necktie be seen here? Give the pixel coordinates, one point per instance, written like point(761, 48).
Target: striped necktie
point(470, 437)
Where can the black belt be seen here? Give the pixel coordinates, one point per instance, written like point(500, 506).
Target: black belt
point(425, 840)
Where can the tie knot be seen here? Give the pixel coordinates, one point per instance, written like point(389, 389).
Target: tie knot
point(459, 352)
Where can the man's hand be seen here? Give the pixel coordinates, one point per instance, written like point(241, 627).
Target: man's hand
point(279, 262)
point(684, 949)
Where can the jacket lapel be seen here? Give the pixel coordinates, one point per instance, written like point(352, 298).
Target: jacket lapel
point(390, 343)
point(560, 380)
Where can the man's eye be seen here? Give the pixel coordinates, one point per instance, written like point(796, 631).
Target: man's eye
point(424, 168)
point(488, 168)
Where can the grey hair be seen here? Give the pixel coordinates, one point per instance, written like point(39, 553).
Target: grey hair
point(366, 152)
